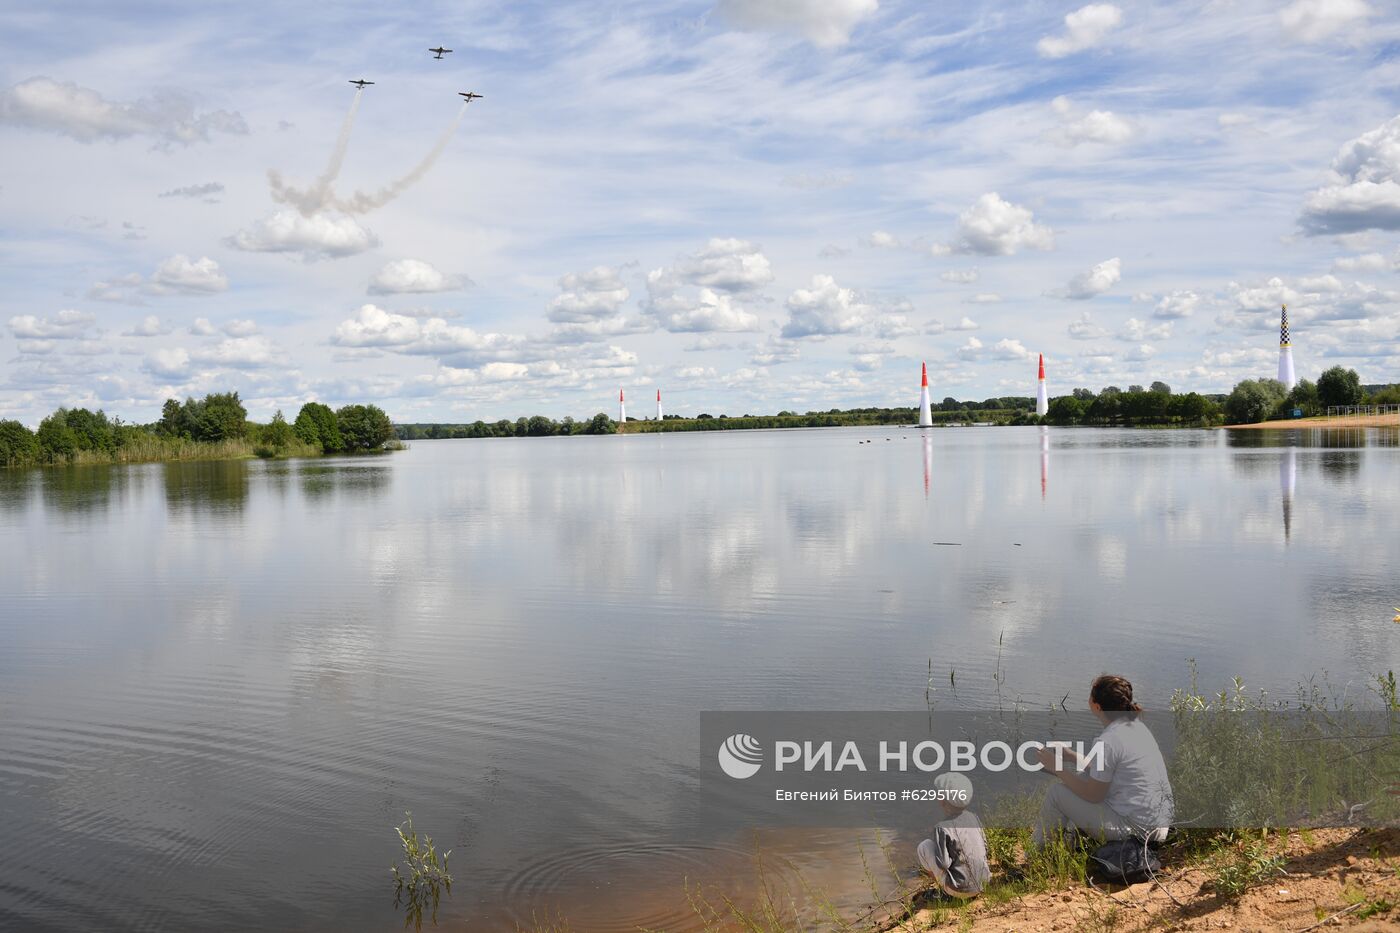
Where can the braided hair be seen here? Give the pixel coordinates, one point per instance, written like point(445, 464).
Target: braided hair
point(1114, 695)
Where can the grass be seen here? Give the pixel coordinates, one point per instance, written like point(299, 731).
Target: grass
point(424, 878)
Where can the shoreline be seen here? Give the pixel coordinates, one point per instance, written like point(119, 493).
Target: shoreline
point(1322, 422)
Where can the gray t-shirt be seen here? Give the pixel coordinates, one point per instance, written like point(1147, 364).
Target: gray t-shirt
point(960, 850)
point(1135, 773)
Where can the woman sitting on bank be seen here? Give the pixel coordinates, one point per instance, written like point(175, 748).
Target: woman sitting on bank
point(1126, 793)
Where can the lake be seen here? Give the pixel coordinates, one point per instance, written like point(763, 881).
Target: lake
point(222, 684)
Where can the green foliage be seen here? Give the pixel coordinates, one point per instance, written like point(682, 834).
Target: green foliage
point(317, 425)
point(1253, 400)
point(1390, 395)
point(424, 877)
point(219, 416)
point(1066, 409)
point(363, 427)
point(278, 432)
point(1238, 868)
point(18, 445)
point(91, 430)
point(1160, 387)
point(1303, 396)
point(1338, 386)
point(57, 442)
point(600, 424)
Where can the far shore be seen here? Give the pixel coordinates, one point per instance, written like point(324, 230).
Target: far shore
point(1347, 421)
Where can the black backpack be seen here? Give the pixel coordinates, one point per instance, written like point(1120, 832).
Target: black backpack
point(1123, 861)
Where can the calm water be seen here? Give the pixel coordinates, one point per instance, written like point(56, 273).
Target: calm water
point(221, 684)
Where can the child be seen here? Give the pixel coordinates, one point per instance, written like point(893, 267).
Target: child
point(956, 856)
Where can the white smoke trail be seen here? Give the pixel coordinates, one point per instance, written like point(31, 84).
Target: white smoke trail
point(362, 203)
point(317, 197)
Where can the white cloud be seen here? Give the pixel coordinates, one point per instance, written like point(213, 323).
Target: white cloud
point(150, 326)
point(824, 309)
point(880, 239)
point(201, 327)
point(1320, 283)
point(372, 326)
point(1010, 350)
point(1177, 304)
point(455, 346)
point(681, 310)
point(205, 191)
point(893, 327)
point(995, 227)
point(824, 23)
point(966, 323)
point(181, 274)
point(728, 265)
point(589, 296)
point(1136, 331)
point(971, 350)
point(168, 363)
point(1085, 329)
point(1364, 188)
point(774, 350)
point(1314, 20)
point(984, 298)
point(65, 325)
point(1097, 126)
point(1368, 262)
point(960, 276)
point(413, 277)
point(169, 117)
point(316, 237)
point(239, 353)
point(1095, 281)
point(240, 328)
point(1085, 28)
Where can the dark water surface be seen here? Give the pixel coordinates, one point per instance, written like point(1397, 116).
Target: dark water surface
point(222, 684)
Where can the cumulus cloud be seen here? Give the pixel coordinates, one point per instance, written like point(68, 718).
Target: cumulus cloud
point(1097, 126)
point(729, 265)
point(168, 363)
point(1315, 20)
point(1363, 192)
point(1010, 350)
point(960, 276)
point(972, 350)
point(1177, 304)
point(1085, 329)
point(318, 237)
point(983, 298)
point(149, 326)
point(413, 277)
point(881, 239)
point(824, 309)
point(454, 345)
point(893, 327)
point(168, 117)
point(1095, 281)
point(1136, 331)
point(996, 227)
point(1085, 28)
point(1368, 262)
point(239, 353)
point(201, 327)
point(824, 23)
point(206, 191)
point(240, 328)
point(966, 323)
point(65, 325)
point(188, 276)
point(774, 350)
point(588, 296)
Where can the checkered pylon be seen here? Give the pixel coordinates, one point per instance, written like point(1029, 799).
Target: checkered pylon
point(1283, 328)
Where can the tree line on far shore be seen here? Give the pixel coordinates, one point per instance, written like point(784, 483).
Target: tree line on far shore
point(215, 426)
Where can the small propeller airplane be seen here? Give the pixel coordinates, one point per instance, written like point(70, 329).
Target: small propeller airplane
point(439, 50)
point(469, 95)
point(361, 83)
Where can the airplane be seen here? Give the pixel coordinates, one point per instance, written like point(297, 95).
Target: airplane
point(469, 95)
point(361, 83)
point(439, 50)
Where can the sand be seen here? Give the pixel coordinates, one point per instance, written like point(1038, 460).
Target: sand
point(1332, 880)
point(1349, 421)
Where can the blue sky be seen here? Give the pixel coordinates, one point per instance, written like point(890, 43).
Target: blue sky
point(750, 204)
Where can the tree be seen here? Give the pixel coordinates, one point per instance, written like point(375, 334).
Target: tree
point(17, 444)
point(91, 430)
point(1303, 396)
point(1066, 409)
point(364, 427)
point(221, 416)
point(601, 424)
point(278, 432)
point(1110, 390)
point(173, 422)
point(1339, 386)
point(316, 424)
point(1161, 387)
point(539, 426)
point(1084, 395)
point(56, 440)
point(1134, 388)
point(1253, 400)
point(1192, 407)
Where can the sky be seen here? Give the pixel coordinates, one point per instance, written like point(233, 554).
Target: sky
point(750, 205)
